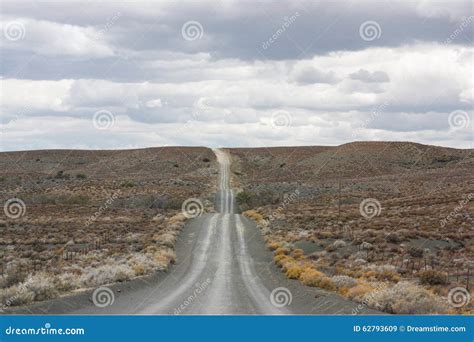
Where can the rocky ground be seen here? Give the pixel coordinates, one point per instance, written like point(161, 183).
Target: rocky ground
point(79, 219)
point(390, 224)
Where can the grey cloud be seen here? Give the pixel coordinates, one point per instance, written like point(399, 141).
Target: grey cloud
point(318, 68)
point(309, 75)
point(369, 77)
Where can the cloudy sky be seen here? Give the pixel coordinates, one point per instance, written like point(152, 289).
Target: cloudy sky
point(96, 74)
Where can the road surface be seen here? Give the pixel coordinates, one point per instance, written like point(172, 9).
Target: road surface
point(223, 268)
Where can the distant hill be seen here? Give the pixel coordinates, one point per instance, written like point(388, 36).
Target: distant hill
point(352, 160)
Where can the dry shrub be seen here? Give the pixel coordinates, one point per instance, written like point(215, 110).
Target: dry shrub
point(406, 298)
point(105, 274)
point(274, 245)
point(312, 277)
point(178, 218)
point(138, 270)
point(344, 281)
point(339, 244)
point(282, 251)
point(166, 239)
point(279, 259)
point(433, 277)
point(253, 215)
point(385, 275)
point(42, 286)
point(15, 295)
point(297, 253)
point(358, 292)
point(164, 257)
point(294, 271)
point(66, 282)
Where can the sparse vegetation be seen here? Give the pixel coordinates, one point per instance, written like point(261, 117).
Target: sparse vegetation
point(78, 234)
point(433, 277)
point(413, 237)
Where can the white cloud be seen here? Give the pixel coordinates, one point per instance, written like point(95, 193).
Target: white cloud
point(54, 39)
point(156, 103)
point(131, 60)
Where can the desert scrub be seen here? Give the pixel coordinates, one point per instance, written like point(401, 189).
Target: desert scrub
point(406, 298)
point(312, 277)
point(244, 197)
point(343, 281)
point(294, 271)
point(272, 245)
point(164, 257)
point(297, 254)
point(433, 277)
point(42, 286)
point(282, 251)
point(254, 215)
point(358, 292)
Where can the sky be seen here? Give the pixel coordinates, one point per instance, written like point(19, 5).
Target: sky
point(115, 75)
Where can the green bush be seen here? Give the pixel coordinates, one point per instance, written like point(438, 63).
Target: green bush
point(77, 199)
point(244, 198)
point(127, 184)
